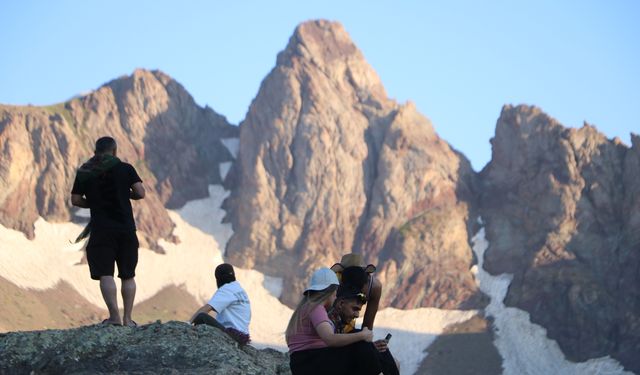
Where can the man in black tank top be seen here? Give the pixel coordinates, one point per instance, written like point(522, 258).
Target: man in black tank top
point(105, 185)
point(355, 271)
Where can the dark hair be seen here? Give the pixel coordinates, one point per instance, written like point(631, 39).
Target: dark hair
point(104, 145)
point(348, 292)
point(355, 276)
point(225, 274)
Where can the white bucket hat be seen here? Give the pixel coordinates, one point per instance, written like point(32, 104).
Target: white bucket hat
point(322, 279)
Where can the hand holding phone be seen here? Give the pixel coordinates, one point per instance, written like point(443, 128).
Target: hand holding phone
point(381, 345)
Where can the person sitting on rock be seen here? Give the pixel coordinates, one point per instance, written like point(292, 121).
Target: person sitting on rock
point(345, 309)
point(229, 308)
point(314, 347)
point(353, 271)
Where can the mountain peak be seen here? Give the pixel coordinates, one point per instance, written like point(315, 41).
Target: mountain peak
point(322, 40)
point(323, 49)
point(150, 82)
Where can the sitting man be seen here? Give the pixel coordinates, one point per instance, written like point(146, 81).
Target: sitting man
point(346, 308)
point(353, 271)
point(229, 308)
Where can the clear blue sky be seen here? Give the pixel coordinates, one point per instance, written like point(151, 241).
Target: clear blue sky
point(459, 61)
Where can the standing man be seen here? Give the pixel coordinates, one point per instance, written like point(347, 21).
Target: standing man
point(104, 184)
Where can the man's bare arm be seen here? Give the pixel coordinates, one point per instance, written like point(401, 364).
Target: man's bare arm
point(79, 201)
point(137, 191)
point(372, 304)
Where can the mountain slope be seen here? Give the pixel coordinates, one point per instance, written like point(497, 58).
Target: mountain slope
point(328, 164)
point(561, 207)
point(174, 144)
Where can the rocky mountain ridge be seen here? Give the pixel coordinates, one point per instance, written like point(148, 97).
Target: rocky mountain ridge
point(561, 211)
point(328, 164)
point(173, 143)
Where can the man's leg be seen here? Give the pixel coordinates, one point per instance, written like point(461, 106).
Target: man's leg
point(110, 295)
point(128, 295)
point(100, 256)
point(127, 260)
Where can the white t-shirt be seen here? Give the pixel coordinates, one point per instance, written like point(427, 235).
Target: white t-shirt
point(231, 303)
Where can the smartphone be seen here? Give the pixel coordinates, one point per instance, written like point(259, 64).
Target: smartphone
point(388, 337)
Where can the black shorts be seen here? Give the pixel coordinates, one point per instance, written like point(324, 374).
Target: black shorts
point(106, 247)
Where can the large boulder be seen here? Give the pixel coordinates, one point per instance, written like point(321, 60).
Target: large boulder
point(170, 348)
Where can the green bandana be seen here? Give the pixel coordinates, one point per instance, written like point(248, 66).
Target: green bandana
point(96, 166)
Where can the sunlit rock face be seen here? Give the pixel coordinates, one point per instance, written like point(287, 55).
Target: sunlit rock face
point(173, 143)
point(328, 164)
point(562, 213)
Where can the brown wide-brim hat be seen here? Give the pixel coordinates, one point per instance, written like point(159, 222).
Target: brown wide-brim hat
point(353, 260)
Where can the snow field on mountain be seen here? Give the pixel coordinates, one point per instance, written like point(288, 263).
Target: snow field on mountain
point(523, 345)
point(50, 257)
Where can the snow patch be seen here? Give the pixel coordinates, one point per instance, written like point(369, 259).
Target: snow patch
point(206, 215)
point(49, 258)
point(224, 169)
point(232, 144)
point(274, 285)
point(523, 345)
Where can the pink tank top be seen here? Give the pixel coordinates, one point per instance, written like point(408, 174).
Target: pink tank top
point(307, 337)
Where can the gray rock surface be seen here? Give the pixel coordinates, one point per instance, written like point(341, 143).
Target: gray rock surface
point(561, 208)
point(170, 348)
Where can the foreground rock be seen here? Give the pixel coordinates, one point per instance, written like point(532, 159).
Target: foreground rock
point(171, 348)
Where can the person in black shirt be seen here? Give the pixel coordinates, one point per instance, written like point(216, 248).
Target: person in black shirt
point(346, 308)
point(105, 185)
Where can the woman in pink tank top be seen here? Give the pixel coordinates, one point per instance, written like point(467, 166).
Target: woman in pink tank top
point(314, 348)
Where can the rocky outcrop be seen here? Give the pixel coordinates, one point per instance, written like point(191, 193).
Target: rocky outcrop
point(328, 164)
point(173, 143)
point(170, 348)
point(561, 211)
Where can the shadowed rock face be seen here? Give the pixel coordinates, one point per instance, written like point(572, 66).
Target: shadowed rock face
point(562, 213)
point(329, 165)
point(174, 144)
point(174, 347)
